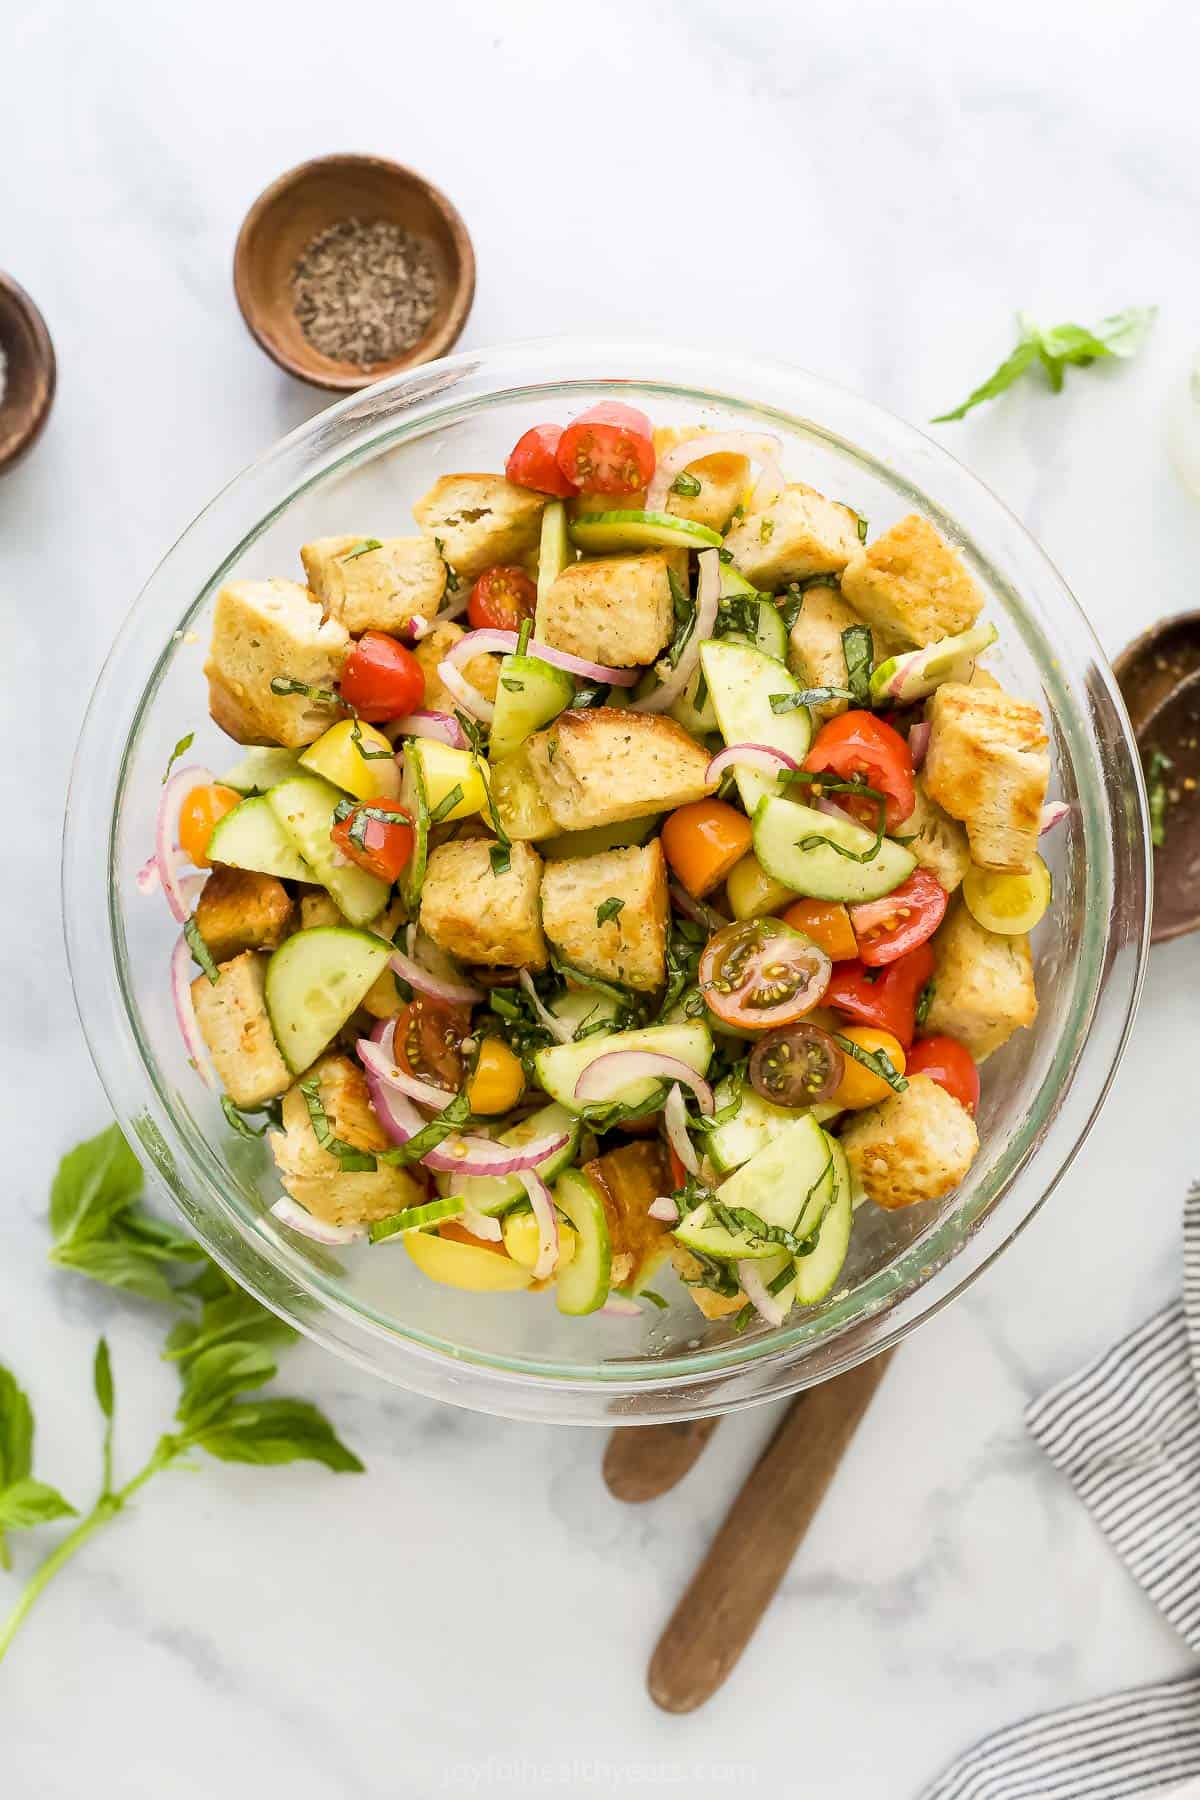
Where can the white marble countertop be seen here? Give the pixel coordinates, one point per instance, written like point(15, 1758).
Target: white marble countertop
point(870, 191)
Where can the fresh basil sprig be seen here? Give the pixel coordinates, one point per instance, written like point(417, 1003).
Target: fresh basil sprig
point(1054, 347)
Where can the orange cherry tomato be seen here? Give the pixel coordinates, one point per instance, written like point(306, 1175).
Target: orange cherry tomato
point(202, 809)
point(827, 923)
point(950, 1064)
point(608, 450)
point(858, 746)
point(501, 600)
point(860, 1086)
point(378, 838)
point(533, 462)
point(702, 841)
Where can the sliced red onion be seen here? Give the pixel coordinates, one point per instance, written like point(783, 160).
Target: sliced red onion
point(618, 1307)
point(759, 757)
point(378, 1060)
point(765, 1304)
point(185, 1012)
point(708, 594)
point(698, 911)
point(665, 1208)
point(467, 696)
point(504, 643)
point(560, 1030)
point(547, 1222)
point(417, 976)
point(918, 742)
point(148, 880)
point(479, 1224)
point(457, 607)
point(444, 727)
point(833, 811)
point(675, 1120)
point(616, 1069)
point(297, 1218)
point(416, 629)
point(166, 833)
point(763, 448)
point(1053, 813)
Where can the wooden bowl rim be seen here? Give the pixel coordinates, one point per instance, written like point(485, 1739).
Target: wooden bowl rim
point(44, 361)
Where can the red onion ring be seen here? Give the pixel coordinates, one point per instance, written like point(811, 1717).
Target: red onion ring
point(617, 1068)
point(166, 833)
point(833, 811)
point(665, 1208)
point(479, 1224)
point(378, 1061)
point(443, 727)
point(504, 643)
point(466, 695)
point(759, 757)
point(698, 911)
point(708, 594)
point(148, 880)
point(416, 629)
point(618, 1307)
point(675, 1120)
point(297, 1218)
point(918, 742)
point(452, 992)
point(185, 1012)
point(1053, 813)
point(560, 1030)
point(547, 1221)
point(765, 1304)
point(763, 448)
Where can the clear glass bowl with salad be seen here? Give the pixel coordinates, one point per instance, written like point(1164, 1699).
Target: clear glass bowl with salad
point(607, 882)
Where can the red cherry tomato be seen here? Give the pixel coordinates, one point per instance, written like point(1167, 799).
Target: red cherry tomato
point(759, 973)
point(859, 744)
point(501, 600)
point(950, 1064)
point(678, 1173)
point(889, 928)
point(608, 450)
point(378, 838)
point(427, 1042)
point(533, 463)
point(888, 999)
point(381, 679)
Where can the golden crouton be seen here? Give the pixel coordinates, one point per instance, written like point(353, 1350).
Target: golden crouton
point(982, 984)
point(480, 916)
point(722, 481)
point(232, 1015)
point(483, 672)
point(913, 1146)
point(627, 945)
point(479, 520)
point(613, 609)
point(714, 1306)
point(800, 534)
point(938, 842)
point(628, 1180)
point(816, 654)
point(604, 764)
point(239, 910)
point(988, 765)
point(317, 907)
point(314, 1176)
point(375, 590)
point(263, 630)
point(911, 583)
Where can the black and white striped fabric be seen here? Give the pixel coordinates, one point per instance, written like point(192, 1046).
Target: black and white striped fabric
point(1126, 1433)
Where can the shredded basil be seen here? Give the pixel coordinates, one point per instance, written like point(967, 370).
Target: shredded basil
point(700, 697)
point(200, 950)
point(360, 744)
point(446, 804)
point(859, 652)
point(609, 909)
point(451, 577)
point(284, 684)
point(862, 527)
point(686, 485)
point(590, 693)
point(352, 1161)
point(524, 635)
point(512, 685)
point(185, 743)
point(724, 555)
point(737, 612)
point(685, 620)
point(924, 1002)
point(878, 1061)
point(610, 989)
point(239, 1121)
point(360, 548)
point(456, 1113)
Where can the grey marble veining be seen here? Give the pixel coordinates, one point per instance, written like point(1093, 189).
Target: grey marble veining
point(870, 191)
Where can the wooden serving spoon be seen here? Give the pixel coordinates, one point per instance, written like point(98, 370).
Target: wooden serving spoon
point(643, 1461)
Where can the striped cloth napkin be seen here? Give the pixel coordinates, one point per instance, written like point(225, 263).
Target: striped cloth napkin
point(1126, 1433)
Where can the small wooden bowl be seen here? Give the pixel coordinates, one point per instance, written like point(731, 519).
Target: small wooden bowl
point(308, 199)
point(30, 373)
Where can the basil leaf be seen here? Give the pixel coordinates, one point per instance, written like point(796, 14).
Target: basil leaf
point(360, 744)
point(233, 1315)
point(352, 1160)
point(446, 804)
point(924, 1002)
point(1120, 335)
point(685, 485)
point(102, 1380)
point(214, 1377)
point(185, 743)
point(284, 684)
point(200, 950)
point(119, 1263)
point(31, 1502)
point(94, 1183)
point(438, 1129)
point(878, 1061)
point(684, 609)
point(524, 635)
point(609, 909)
point(239, 1122)
point(859, 652)
point(16, 1430)
point(277, 1431)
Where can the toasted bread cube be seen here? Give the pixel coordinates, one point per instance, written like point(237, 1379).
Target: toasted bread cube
point(613, 609)
point(938, 842)
point(314, 1176)
point(713, 1305)
point(988, 764)
point(913, 1146)
point(800, 534)
point(912, 583)
point(239, 910)
point(480, 916)
point(375, 590)
point(816, 654)
point(603, 764)
point(265, 629)
point(479, 520)
point(631, 945)
point(483, 672)
point(982, 984)
point(722, 479)
point(628, 1181)
point(317, 907)
point(232, 1015)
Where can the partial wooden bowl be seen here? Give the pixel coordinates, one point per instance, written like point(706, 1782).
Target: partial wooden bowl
point(30, 373)
point(288, 214)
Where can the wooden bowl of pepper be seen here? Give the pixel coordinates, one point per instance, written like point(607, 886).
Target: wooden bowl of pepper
point(27, 373)
point(351, 268)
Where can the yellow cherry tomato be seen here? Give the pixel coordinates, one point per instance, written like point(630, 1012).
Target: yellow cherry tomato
point(522, 1238)
point(703, 841)
point(1010, 904)
point(463, 1262)
point(201, 811)
point(357, 757)
point(861, 1087)
point(498, 1080)
point(751, 892)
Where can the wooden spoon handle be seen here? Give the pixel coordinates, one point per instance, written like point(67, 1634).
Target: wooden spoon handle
point(643, 1461)
point(749, 1557)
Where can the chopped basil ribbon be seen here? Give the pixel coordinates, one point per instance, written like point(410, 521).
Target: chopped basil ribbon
point(608, 909)
point(284, 684)
point(446, 804)
point(352, 1161)
point(524, 635)
point(862, 527)
point(185, 743)
point(859, 652)
point(816, 696)
point(451, 577)
point(724, 555)
point(737, 612)
point(685, 620)
point(924, 1002)
point(829, 785)
point(499, 854)
point(200, 950)
point(610, 989)
point(878, 1061)
point(686, 485)
point(456, 1113)
point(360, 744)
point(239, 1121)
point(360, 548)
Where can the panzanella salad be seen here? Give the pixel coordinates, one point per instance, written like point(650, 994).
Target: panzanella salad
point(631, 866)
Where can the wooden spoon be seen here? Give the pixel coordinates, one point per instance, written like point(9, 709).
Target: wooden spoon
point(749, 1557)
point(643, 1461)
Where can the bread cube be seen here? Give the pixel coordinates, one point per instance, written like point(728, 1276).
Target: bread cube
point(614, 609)
point(983, 987)
point(375, 590)
point(816, 654)
point(603, 764)
point(988, 764)
point(711, 1304)
point(800, 534)
point(480, 916)
point(912, 583)
point(913, 1146)
point(477, 521)
point(232, 1015)
point(628, 1181)
point(239, 910)
point(264, 630)
point(314, 1176)
point(938, 842)
point(628, 945)
point(722, 479)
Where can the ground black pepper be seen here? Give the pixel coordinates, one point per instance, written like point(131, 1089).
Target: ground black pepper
point(364, 291)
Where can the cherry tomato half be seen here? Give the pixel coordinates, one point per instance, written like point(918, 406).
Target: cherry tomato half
point(608, 450)
point(759, 973)
point(951, 1065)
point(428, 1036)
point(797, 1066)
point(533, 463)
point(859, 744)
point(381, 679)
point(887, 999)
point(702, 841)
point(378, 838)
point(501, 600)
point(203, 808)
point(889, 928)
point(827, 923)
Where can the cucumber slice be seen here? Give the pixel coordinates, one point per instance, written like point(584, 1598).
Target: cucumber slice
point(742, 682)
point(315, 981)
point(622, 836)
point(817, 1272)
point(555, 549)
point(251, 837)
point(580, 1006)
point(770, 632)
point(261, 768)
point(788, 1183)
point(530, 694)
point(1007, 904)
point(305, 807)
point(698, 722)
point(582, 1286)
point(753, 1126)
point(783, 827)
point(414, 1218)
point(559, 1067)
point(415, 802)
point(901, 680)
point(611, 532)
point(491, 1194)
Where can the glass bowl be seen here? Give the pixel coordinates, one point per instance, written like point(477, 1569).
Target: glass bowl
point(358, 467)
